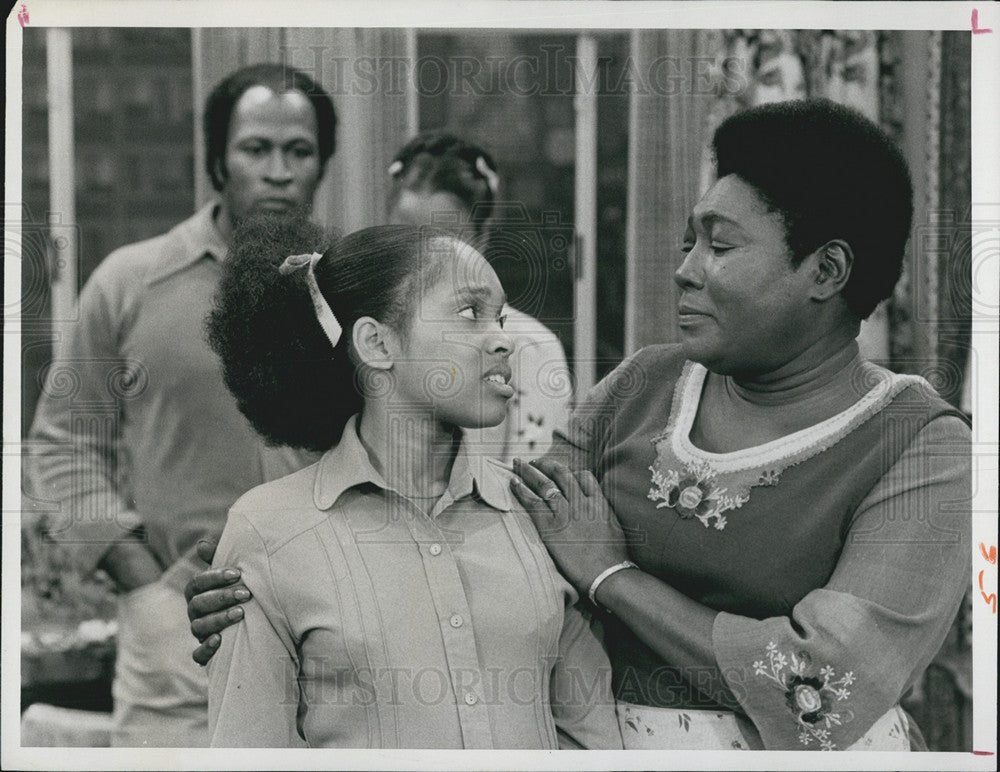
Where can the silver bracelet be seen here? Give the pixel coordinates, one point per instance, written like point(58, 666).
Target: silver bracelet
point(605, 574)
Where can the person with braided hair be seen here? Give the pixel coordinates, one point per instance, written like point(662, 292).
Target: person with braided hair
point(442, 179)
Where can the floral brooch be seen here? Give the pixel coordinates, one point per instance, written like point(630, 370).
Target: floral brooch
point(693, 492)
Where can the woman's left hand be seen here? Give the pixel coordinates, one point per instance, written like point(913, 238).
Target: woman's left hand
point(578, 526)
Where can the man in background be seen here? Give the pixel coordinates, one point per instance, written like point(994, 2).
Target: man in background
point(136, 436)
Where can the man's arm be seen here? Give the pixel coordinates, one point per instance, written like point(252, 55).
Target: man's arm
point(72, 455)
point(130, 565)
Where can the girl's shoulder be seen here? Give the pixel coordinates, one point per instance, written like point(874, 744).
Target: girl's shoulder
point(280, 510)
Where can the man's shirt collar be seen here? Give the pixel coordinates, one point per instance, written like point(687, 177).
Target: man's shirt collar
point(194, 238)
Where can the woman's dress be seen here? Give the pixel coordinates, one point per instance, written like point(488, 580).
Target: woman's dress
point(837, 556)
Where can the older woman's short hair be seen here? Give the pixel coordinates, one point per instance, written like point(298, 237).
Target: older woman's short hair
point(279, 78)
point(832, 174)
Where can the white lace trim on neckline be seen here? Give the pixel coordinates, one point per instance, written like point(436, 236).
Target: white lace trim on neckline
point(784, 451)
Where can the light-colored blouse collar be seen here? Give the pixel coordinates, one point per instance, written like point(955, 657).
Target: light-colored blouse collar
point(347, 465)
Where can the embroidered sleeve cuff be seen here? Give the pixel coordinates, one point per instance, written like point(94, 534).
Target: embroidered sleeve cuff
point(812, 686)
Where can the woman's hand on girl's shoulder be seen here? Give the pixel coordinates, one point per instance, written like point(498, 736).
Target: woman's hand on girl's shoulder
point(213, 602)
point(573, 518)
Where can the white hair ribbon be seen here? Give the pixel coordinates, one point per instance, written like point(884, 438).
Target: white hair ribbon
point(324, 314)
point(492, 180)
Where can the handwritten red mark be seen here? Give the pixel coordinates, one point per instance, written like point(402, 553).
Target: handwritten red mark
point(975, 24)
point(990, 555)
point(22, 16)
point(982, 753)
point(991, 599)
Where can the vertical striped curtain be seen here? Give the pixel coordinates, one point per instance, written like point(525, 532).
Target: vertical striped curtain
point(669, 121)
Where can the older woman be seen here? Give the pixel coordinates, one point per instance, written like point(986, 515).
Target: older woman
point(776, 530)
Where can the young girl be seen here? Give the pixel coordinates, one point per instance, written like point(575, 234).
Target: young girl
point(438, 178)
point(401, 597)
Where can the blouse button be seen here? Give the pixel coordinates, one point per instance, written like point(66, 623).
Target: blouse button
point(470, 698)
point(456, 620)
point(435, 549)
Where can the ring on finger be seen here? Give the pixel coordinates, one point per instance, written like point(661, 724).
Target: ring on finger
point(551, 493)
